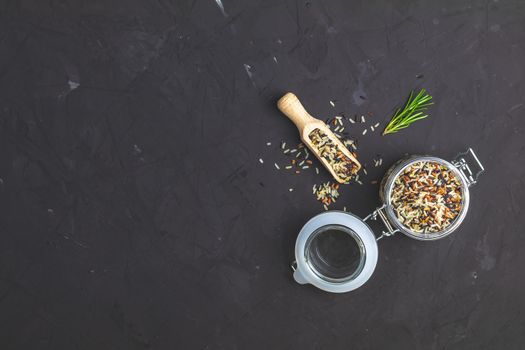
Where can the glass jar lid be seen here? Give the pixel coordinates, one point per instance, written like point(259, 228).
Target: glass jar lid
point(335, 251)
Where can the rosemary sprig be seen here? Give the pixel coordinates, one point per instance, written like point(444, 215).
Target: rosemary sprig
point(410, 113)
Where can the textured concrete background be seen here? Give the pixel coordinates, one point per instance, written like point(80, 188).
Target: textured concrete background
point(134, 213)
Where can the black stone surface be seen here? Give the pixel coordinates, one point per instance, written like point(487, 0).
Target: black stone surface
point(134, 213)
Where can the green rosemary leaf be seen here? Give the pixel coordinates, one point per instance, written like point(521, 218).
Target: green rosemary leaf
point(411, 112)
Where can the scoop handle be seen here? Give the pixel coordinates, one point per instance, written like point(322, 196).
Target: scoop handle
point(290, 105)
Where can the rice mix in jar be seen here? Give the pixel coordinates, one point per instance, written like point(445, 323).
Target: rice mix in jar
point(427, 197)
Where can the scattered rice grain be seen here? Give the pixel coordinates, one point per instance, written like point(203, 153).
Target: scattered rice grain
point(364, 131)
point(261, 161)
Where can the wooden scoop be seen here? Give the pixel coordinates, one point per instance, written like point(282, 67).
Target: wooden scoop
point(290, 105)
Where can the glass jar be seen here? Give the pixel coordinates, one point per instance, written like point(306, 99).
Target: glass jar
point(337, 251)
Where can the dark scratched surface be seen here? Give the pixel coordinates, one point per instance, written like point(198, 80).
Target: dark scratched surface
point(134, 212)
